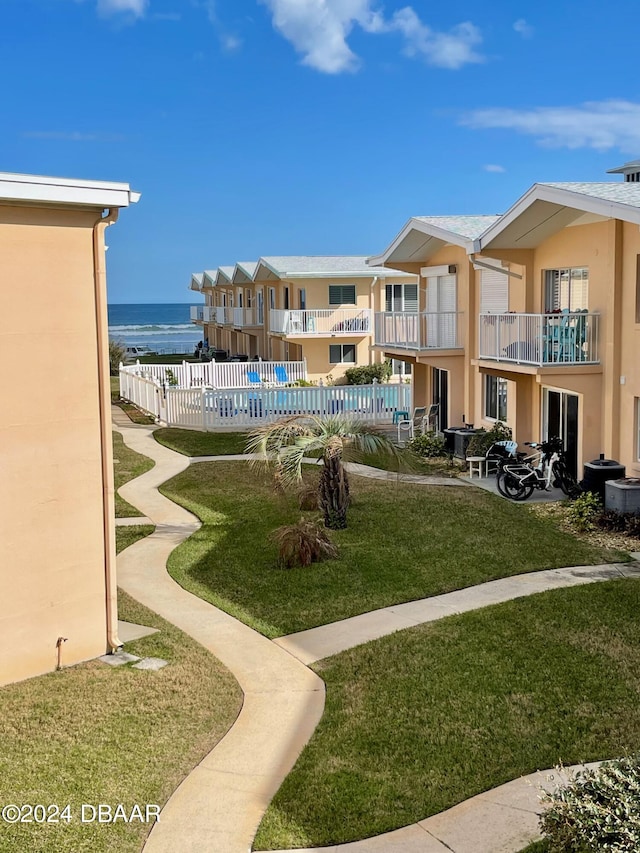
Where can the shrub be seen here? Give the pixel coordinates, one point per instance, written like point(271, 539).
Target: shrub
point(599, 810)
point(632, 525)
point(302, 544)
point(170, 377)
point(116, 356)
point(584, 510)
point(611, 520)
point(365, 374)
point(429, 445)
point(483, 439)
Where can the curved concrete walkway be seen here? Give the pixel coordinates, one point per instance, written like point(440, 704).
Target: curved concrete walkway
point(219, 805)
point(504, 820)
point(326, 640)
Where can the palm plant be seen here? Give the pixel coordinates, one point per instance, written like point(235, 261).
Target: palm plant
point(335, 438)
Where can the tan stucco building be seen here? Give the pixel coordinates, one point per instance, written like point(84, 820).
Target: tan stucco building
point(545, 301)
point(57, 541)
point(314, 308)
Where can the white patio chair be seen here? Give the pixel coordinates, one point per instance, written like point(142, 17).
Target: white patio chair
point(416, 424)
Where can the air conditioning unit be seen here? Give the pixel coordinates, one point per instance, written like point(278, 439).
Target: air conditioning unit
point(623, 495)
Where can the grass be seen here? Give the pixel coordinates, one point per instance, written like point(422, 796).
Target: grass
point(126, 536)
point(193, 443)
point(537, 847)
point(134, 414)
point(425, 718)
point(127, 466)
point(404, 542)
point(99, 734)
point(170, 358)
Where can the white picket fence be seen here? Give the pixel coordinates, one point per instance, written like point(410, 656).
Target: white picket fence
point(206, 408)
point(227, 374)
point(145, 391)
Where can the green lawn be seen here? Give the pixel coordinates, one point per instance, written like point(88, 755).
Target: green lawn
point(404, 542)
point(193, 443)
point(425, 718)
point(126, 536)
point(127, 466)
point(99, 734)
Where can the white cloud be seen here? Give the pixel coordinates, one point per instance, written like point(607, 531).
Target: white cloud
point(319, 30)
point(524, 28)
point(446, 50)
point(494, 167)
point(597, 124)
point(137, 8)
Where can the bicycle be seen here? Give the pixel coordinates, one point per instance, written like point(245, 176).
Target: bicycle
point(517, 477)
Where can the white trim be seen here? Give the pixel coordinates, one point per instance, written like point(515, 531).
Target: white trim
point(563, 198)
point(426, 228)
point(39, 188)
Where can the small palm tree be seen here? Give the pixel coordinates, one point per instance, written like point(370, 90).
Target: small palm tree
point(337, 438)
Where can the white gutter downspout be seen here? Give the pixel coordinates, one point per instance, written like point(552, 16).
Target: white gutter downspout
point(104, 389)
point(372, 342)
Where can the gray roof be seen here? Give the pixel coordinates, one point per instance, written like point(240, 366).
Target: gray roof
point(470, 227)
point(199, 276)
point(249, 267)
point(619, 192)
point(354, 265)
point(226, 271)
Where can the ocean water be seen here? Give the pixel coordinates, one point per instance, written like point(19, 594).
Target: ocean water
point(165, 327)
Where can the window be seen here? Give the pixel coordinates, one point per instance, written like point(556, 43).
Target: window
point(494, 292)
point(401, 297)
point(286, 298)
point(302, 298)
point(637, 427)
point(342, 353)
point(272, 298)
point(566, 290)
point(495, 398)
point(400, 368)
point(342, 294)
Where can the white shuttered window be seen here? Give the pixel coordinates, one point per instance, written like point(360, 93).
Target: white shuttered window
point(494, 292)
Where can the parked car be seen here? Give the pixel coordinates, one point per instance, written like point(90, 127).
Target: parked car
point(134, 353)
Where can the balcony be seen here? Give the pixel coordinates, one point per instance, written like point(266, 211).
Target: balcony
point(540, 340)
point(197, 313)
point(321, 322)
point(247, 317)
point(411, 330)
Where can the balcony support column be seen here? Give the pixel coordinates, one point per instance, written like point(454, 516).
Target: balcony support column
point(610, 334)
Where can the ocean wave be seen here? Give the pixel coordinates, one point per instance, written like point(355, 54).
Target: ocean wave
point(169, 328)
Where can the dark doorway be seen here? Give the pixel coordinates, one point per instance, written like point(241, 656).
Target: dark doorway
point(440, 395)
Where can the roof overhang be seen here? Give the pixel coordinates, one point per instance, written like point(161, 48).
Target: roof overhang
point(417, 242)
point(197, 281)
point(264, 270)
point(544, 211)
point(243, 273)
point(39, 189)
point(222, 277)
point(209, 278)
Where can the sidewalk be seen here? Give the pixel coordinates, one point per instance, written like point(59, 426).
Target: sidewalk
point(221, 802)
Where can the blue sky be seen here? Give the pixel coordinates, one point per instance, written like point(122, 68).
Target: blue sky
point(272, 127)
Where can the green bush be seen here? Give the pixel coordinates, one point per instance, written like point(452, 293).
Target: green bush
point(365, 374)
point(584, 511)
point(429, 445)
point(170, 377)
point(483, 439)
point(116, 356)
point(619, 522)
point(598, 811)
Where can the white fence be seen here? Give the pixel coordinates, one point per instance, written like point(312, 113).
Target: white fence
point(208, 409)
point(227, 374)
point(418, 331)
point(540, 339)
point(145, 391)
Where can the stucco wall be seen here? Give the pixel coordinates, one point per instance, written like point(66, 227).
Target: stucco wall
point(52, 529)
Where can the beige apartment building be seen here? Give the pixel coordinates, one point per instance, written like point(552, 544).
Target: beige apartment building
point(57, 538)
point(546, 301)
point(315, 308)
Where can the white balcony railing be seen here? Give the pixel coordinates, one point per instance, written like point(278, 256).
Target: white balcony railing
point(197, 313)
point(321, 321)
point(540, 339)
point(247, 317)
point(418, 331)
